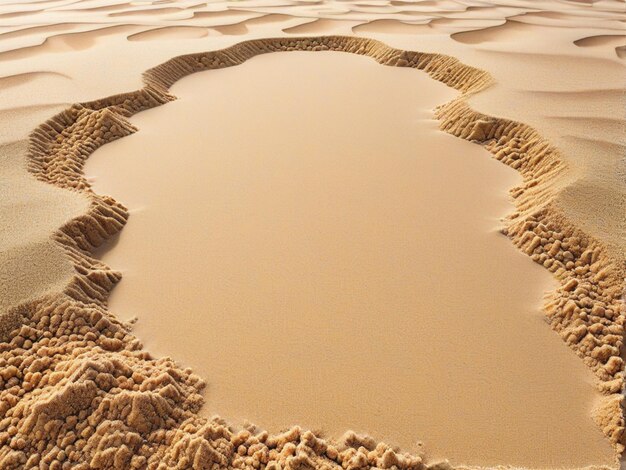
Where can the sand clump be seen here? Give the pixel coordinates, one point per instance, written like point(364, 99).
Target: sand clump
point(78, 391)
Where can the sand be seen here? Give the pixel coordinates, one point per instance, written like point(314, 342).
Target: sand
point(330, 275)
point(71, 359)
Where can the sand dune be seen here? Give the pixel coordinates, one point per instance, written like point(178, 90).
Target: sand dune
point(222, 14)
point(170, 33)
point(64, 42)
point(452, 25)
point(147, 12)
point(42, 265)
point(276, 247)
point(34, 30)
point(17, 14)
point(231, 20)
point(24, 78)
point(597, 96)
point(271, 21)
point(322, 26)
point(18, 121)
point(569, 20)
point(427, 5)
point(476, 132)
point(76, 386)
point(110, 6)
point(601, 40)
point(268, 19)
point(391, 27)
point(509, 31)
point(612, 129)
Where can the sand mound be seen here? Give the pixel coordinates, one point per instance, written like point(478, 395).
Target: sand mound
point(76, 389)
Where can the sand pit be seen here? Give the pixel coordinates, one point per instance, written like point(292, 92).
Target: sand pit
point(337, 270)
point(78, 390)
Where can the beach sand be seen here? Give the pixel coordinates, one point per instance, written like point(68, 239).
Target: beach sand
point(312, 239)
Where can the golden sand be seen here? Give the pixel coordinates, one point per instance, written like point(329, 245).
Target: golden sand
point(329, 271)
point(76, 389)
point(146, 413)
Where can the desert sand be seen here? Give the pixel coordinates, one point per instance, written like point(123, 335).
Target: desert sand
point(314, 241)
point(317, 251)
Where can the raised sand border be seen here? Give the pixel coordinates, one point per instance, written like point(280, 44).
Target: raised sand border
point(76, 388)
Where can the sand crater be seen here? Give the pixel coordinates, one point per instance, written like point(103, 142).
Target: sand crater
point(324, 258)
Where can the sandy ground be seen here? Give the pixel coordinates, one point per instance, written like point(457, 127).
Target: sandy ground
point(65, 358)
point(317, 250)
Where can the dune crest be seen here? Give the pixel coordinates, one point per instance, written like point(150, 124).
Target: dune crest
point(170, 33)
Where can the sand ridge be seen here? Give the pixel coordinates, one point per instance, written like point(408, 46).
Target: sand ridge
point(438, 16)
point(137, 420)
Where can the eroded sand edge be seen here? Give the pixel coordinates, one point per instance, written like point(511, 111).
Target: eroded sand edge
point(98, 400)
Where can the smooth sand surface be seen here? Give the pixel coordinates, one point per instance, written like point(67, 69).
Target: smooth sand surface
point(328, 262)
